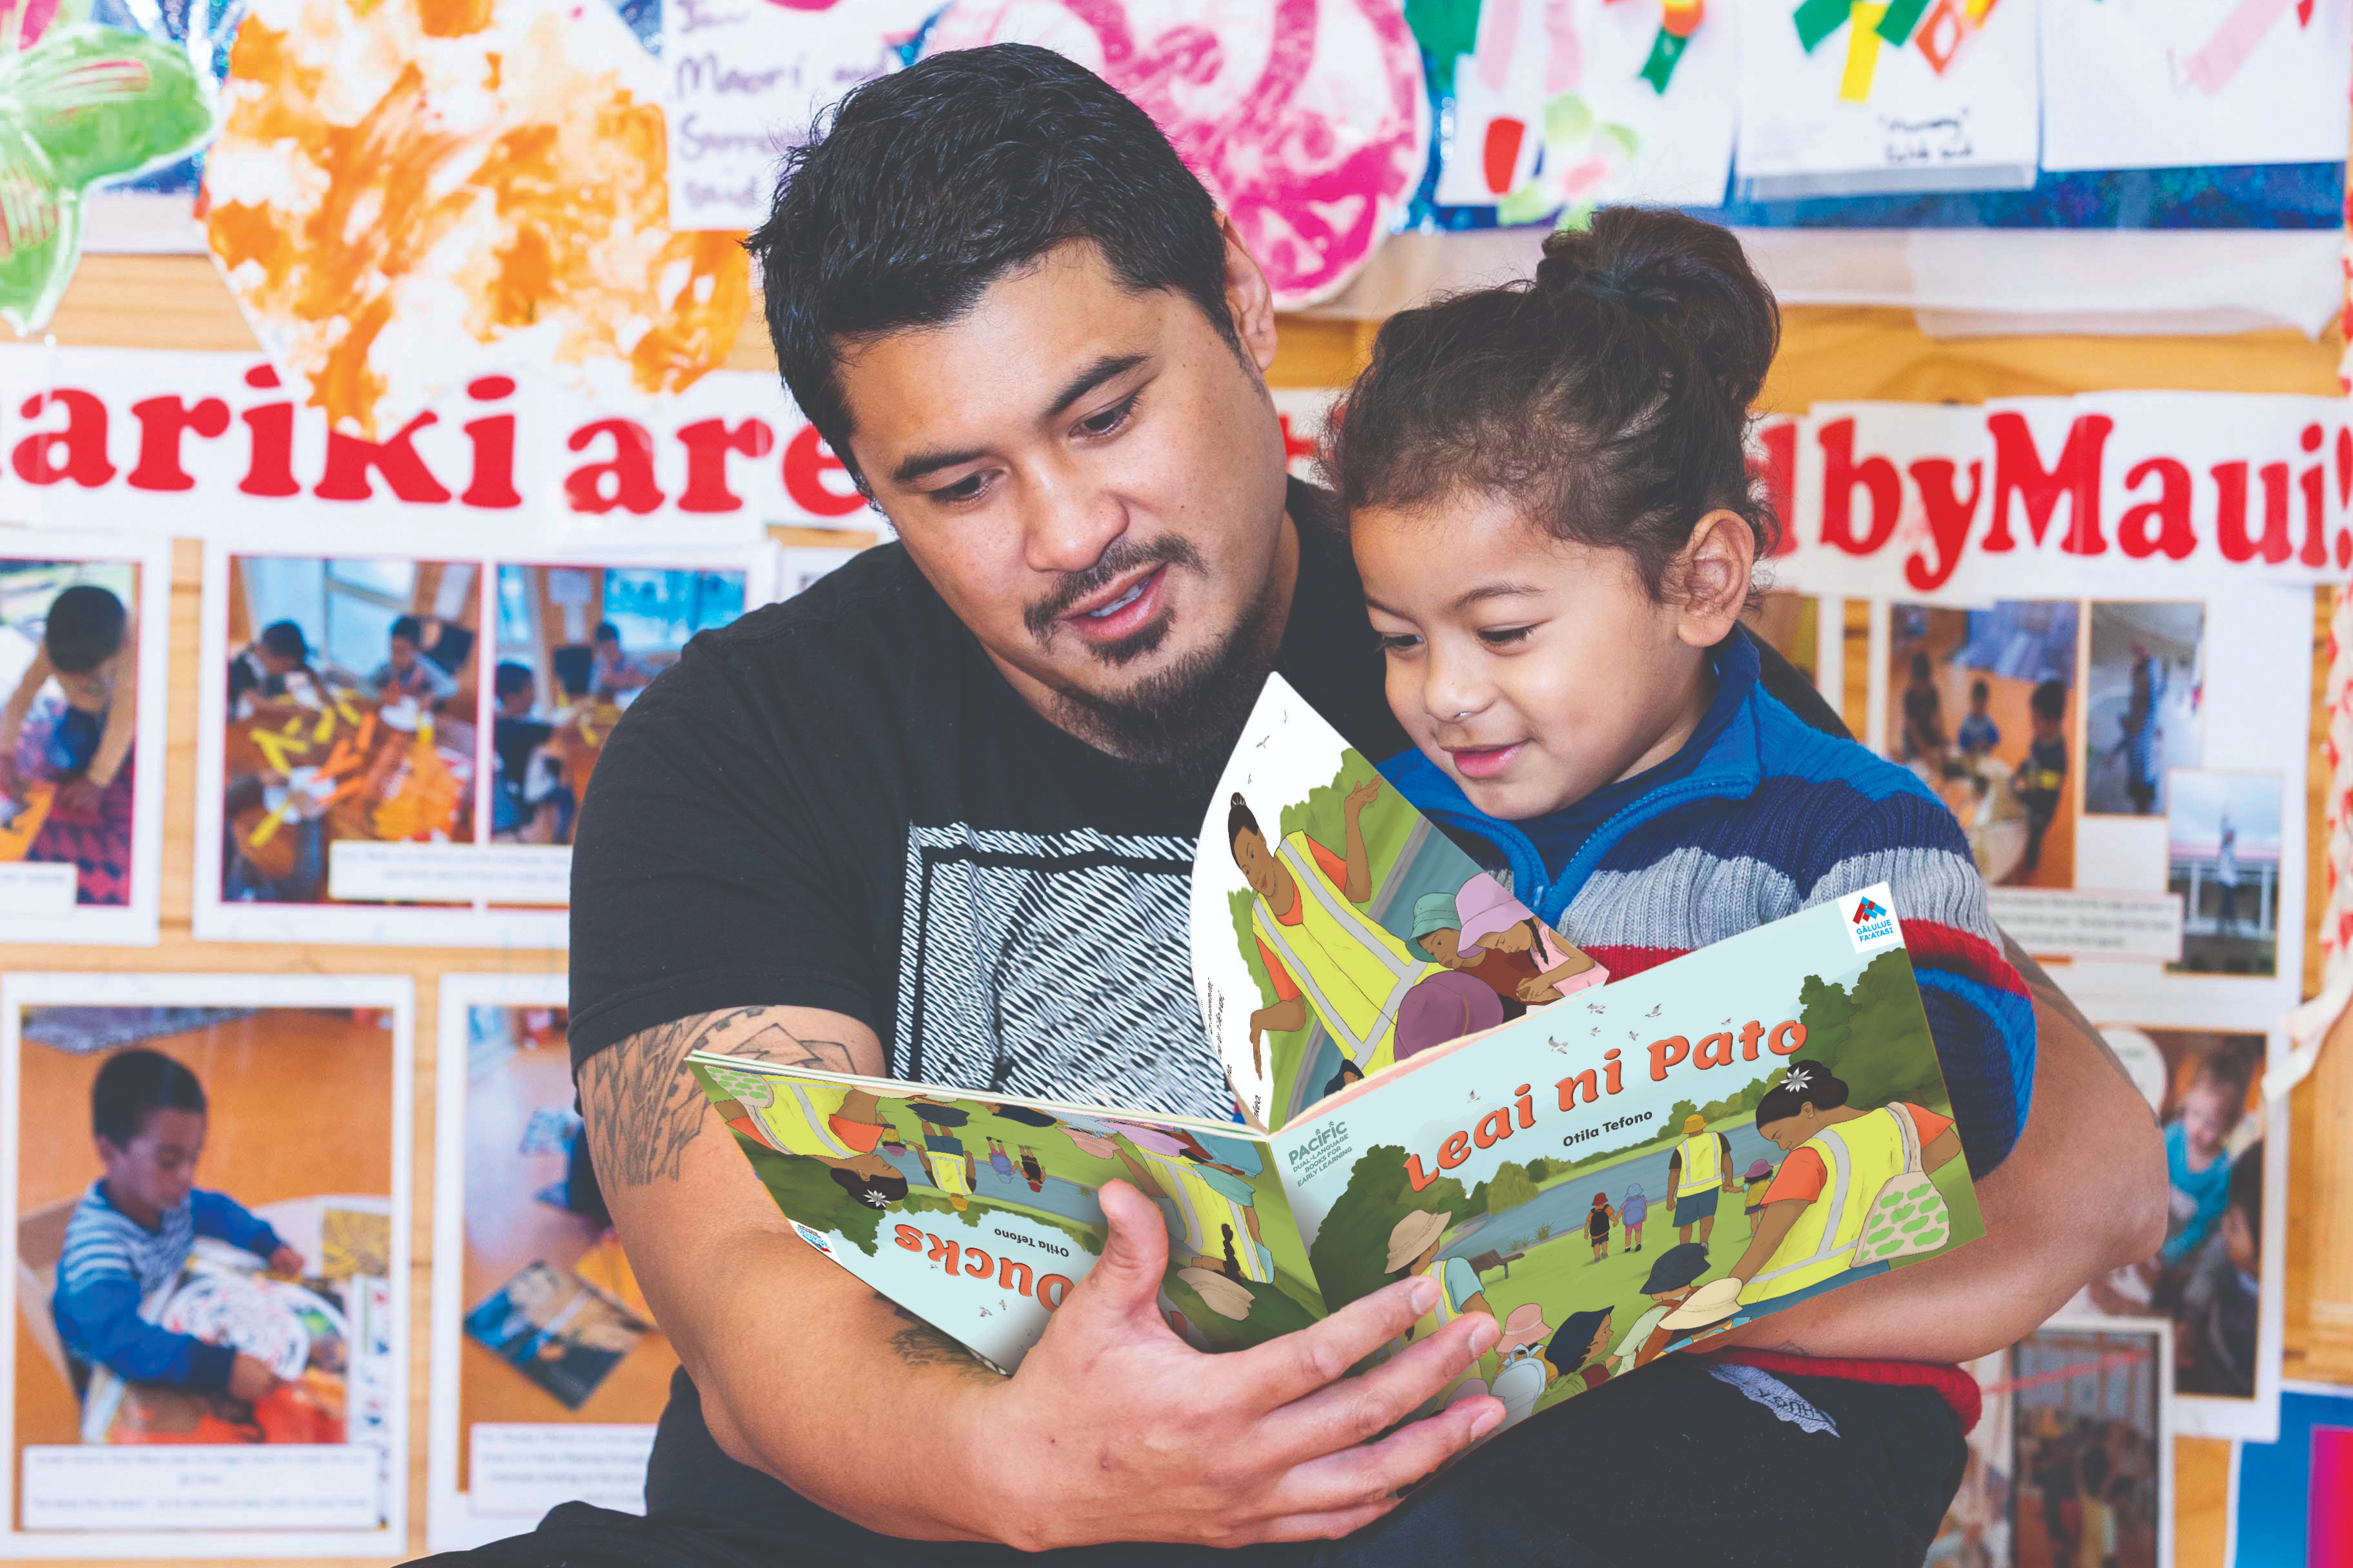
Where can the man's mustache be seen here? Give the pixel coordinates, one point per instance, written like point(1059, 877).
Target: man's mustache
point(1123, 557)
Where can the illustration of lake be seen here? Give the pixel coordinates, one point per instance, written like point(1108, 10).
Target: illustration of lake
point(1565, 1206)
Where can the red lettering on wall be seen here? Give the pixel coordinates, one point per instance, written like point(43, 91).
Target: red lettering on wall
point(707, 444)
point(2174, 534)
point(1949, 517)
point(2018, 471)
point(1840, 474)
point(162, 421)
point(2230, 536)
point(78, 452)
point(269, 464)
point(349, 458)
point(491, 483)
point(625, 479)
point(807, 460)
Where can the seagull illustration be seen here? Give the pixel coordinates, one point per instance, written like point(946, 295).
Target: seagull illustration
point(1654, 1011)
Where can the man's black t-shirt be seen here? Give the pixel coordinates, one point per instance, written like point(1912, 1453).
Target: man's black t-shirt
point(839, 801)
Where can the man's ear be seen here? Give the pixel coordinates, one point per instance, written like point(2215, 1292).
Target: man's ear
point(1709, 578)
point(1249, 300)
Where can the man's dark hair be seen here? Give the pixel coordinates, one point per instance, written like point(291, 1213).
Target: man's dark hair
point(132, 1085)
point(2050, 700)
point(927, 186)
point(285, 639)
point(84, 628)
point(411, 628)
point(509, 679)
point(607, 632)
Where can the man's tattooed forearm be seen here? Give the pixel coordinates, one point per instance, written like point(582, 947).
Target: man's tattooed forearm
point(920, 1344)
point(642, 1108)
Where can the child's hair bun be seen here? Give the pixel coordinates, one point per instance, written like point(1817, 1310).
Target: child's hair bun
point(1688, 279)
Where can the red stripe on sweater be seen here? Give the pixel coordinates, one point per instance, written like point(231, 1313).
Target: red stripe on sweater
point(1955, 1387)
point(1622, 961)
point(1935, 945)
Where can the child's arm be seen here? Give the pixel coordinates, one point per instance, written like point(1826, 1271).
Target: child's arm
point(101, 1319)
point(20, 704)
point(121, 714)
point(222, 1218)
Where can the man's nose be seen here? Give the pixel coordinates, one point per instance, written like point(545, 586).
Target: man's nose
point(1070, 523)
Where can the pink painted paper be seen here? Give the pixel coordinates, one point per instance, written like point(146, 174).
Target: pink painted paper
point(1306, 118)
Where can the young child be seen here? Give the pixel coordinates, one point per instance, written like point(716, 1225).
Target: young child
point(1924, 715)
point(1632, 1213)
point(2215, 1325)
point(1752, 1193)
point(1672, 1281)
point(2043, 774)
point(1549, 504)
point(132, 1233)
point(1978, 734)
point(89, 648)
point(1598, 1221)
point(2197, 1158)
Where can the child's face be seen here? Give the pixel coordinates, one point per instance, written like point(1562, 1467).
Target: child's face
point(1444, 947)
point(155, 1171)
point(2048, 729)
point(2209, 1111)
point(403, 653)
point(1533, 672)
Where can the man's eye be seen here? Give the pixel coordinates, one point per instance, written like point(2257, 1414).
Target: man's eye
point(967, 488)
point(1110, 419)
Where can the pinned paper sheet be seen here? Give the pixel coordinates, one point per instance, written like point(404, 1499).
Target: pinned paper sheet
point(1308, 119)
point(2197, 83)
point(405, 197)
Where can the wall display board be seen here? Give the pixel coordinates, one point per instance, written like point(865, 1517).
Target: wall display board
point(395, 748)
point(548, 1374)
point(220, 1372)
point(85, 628)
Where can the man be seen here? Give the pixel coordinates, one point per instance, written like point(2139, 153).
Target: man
point(407, 672)
point(1320, 948)
point(908, 822)
point(1695, 1173)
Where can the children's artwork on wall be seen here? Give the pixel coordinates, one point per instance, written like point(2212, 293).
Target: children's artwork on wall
point(211, 1370)
point(743, 84)
point(1567, 104)
point(84, 631)
point(81, 105)
point(2220, 1276)
point(2196, 82)
point(404, 201)
point(2291, 1500)
point(1306, 118)
point(547, 1375)
point(1976, 1533)
point(2091, 1444)
point(1855, 97)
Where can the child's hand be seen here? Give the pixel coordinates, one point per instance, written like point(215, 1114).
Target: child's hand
point(287, 1261)
point(250, 1380)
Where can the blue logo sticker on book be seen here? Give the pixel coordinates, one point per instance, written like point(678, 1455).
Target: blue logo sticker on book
point(1870, 924)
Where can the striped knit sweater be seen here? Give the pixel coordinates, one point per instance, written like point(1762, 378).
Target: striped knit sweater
point(1772, 816)
point(112, 1265)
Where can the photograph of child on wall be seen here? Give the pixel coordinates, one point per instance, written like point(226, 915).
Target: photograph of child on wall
point(2208, 1277)
point(70, 665)
point(1976, 1533)
point(1981, 705)
point(2091, 1447)
point(2222, 856)
point(204, 1260)
point(575, 645)
point(2144, 691)
point(350, 714)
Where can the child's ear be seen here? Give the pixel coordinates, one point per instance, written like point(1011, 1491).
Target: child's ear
point(1712, 578)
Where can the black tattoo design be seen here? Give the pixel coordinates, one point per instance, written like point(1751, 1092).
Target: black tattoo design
point(920, 1344)
point(641, 1107)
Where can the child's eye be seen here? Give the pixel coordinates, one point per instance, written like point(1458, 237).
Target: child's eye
point(1503, 637)
point(1397, 642)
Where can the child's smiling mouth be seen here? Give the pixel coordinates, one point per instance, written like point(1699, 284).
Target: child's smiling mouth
point(1483, 762)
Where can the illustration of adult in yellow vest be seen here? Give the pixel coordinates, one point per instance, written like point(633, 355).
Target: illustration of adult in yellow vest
point(1852, 1177)
point(1211, 1209)
point(1320, 949)
point(838, 1126)
point(1414, 1242)
point(944, 1156)
point(1695, 1173)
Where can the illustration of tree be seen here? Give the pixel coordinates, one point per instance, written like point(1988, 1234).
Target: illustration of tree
point(1828, 1015)
point(1675, 1117)
point(1539, 1168)
point(1874, 1036)
point(805, 1189)
point(1511, 1187)
point(1353, 1245)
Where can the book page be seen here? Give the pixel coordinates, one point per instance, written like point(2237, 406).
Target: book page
point(1608, 1178)
point(980, 1214)
point(1336, 933)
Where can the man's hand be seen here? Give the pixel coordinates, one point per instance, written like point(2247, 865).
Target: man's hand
point(1114, 1429)
point(250, 1380)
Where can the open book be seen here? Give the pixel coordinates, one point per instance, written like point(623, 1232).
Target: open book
point(1614, 1171)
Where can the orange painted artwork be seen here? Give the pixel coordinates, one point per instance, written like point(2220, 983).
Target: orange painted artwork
point(408, 194)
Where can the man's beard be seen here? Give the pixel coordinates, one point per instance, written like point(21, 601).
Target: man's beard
point(1189, 715)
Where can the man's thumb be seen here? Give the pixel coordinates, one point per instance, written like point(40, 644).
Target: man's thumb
point(1135, 1253)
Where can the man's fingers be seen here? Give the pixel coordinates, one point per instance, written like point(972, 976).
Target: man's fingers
point(1358, 1477)
point(1329, 1526)
point(1136, 1254)
point(1304, 1360)
point(1361, 1408)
